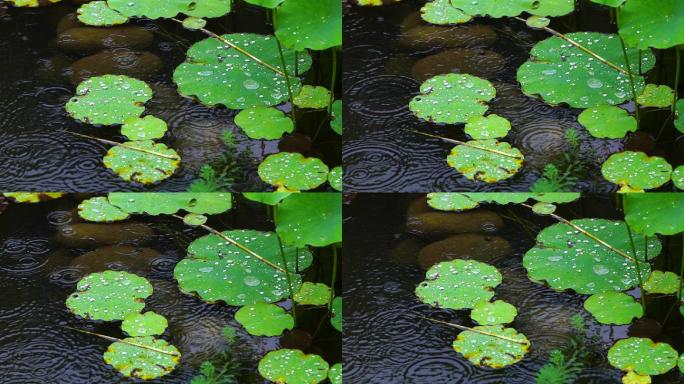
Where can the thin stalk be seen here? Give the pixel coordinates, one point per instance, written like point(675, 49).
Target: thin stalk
point(110, 338)
point(333, 278)
point(289, 281)
point(632, 85)
point(678, 68)
point(124, 145)
point(634, 252)
point(466, 144)
point(464, 328)
point(293, 111)
point(681, 274)
point(333, 80)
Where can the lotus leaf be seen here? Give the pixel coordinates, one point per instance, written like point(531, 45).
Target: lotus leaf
point(610, 3)
point(144, 128)
point(292, 366)
point(492, 313)
point(652, 23)
point(99, 14)
point(451, 201)
point(565, 258)
point(642, 356)
point(100, 210)
point(264, 319)
point(656, 96)
point(561, 73)
point(303, 24)
point(655, 213)
point(492, 351)
point(264, 122)
point(678, 177)
point(447, 201)
point(152, 203)
point(313, 294)
point(543, 208)
point(680, 363)
point(636, 171)
point(193, 23)
point(335, 374)
point(266, 3)
point(144, 324)
point(452, 98)
point(679, 115)
point(477, 161)
point(312, 97)
point(310, 219)
point(32, 197)
point(335, 178)
point(496, 8)
point(268, 198)
point(607, 121)
point(662, 282)
point(336, 309)
point(613, 307)
point(634, 378)
point(293, 172)
point(458, 284)
point(142, 362)
point(171, 8)
point(31, 3)
point(441, 12)
point(109, 295)
point(194, 219)
point(217, 270)
point(487, 127)
point(537, 21)
point(142, 167)
point(336, 115)
point(215, 73)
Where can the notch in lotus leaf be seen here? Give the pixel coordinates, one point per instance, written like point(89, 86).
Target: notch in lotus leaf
point(292, 171)
point(268, 198)
point(612, 307)
point(486, 160)
point(171, 8)
point(635, 171)
point(264, 319)
point(292, 366)
point(452, 201)
point(99, 209)
point(452, 98)
point(482, 348)
point(143, 358)
point(642, 356)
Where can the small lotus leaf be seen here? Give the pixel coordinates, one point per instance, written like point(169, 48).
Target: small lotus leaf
point(441, 12)
point(144, 324)
point(292, 171)
point(451, 201)
point(655, 213)
point(194, 219)
point(32, 197)
point(634, 378)
point(31, 3)
point(636, 171)
point(303, 24)
point(266, 3)
point(656, 96)
point(613, 307)
point(194, 23)
point(313, 294)
point(496, 8)
point(491, 351)
point(141, 361)
point(679, 115)
point(292, 366)
point(662, 282)
point(642, 356)
point(264, 122)
point(142, 167)
point(544, 208)
point(678, 177)
point(537, 21)
point(492, 313)
point(171, 8)
point(448, 201)
point(98, 13)
point(153, 203)
point(336, 115)
point(610, 3)
point(264, 319)
point(479, 160)
point(100, 210)
point(607, 121)
point(652, 23)
point(144, 128)
point(268, 198)
point(487, 127)
point(313, 219)
point(336, 309)
point(452, 98)
point(335, 374)
point(312, 97)
point(335, 178)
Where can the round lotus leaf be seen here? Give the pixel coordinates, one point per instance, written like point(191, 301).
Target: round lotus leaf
point(335, 178)
point(559, 72)
point(610, 3)
point(480, 164)
point(336, 310)
point(335, 374)
point(171, 8)
point(312, 97)
point(537, 21)
point(266, 3)
point(217, 270)
point(139, 166)
point(31, 3)
point(679, 115)
point(636, 171)
point(607, 121)
point(109, 295)
point(100, 210)
point(264, 122)
point(336, 117)
point(98, 13)
point(305, 24)
point(109, 99)
point(542, 208)
point(194, 23)
point(448, 201)
point(144, 324)
point(441, 12)
point(144, 128)
point(292, 366)
point(642, 356)
point(458, 284)
point(655, 213)
point(497, 8)
point(613, 308)
point(139, 360)
point(662, 282)
point(678, 177)
point(32, 197)
point(565, 258)
point(194, 219)
point(313, 294)
point(656, 96)
point(492, 313)
point(215, 73)
point(292, 171)
point(268, 198)
point(652, 23)
point(487, 127)
point(491, 351)
point(156, 203)
point(452, 98)
point(452, 201)
point(264, 319)
point(310, 219)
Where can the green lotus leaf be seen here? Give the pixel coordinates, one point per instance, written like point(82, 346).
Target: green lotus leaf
point(496, 8)
point(264, 319)
point(613, 307)
point(109, 99)
point(32, 197)
point(335, 178)
point(607, 121)
point(448, 201)
point(266, 3)
point(565, 258)
point(452, 201)
point(336, 115)
point(652, 23)
point(655, 213)
point(679, 115)
point(264, 122)
point(313, 294)
point(642, 356)
point(31, 3)
point(335, 374)
point(268, 198)
point(634, 378)
point(487, 127)
point(98, 13)
point(194, 23)
point(561, 73)
point(610, 3)
point(303, 24)
point(156, 203)
point(144, 128)
point(292, 171)
point(109, 295)
point(374, 3)
point(662, 282)
point(680, 362)
point(171, 8)
point(312, 97)
point(452, 98)
point(544, 208)
point(194, 219)
point(636, 171)
point(217, 270)
point(490, 351)
point(656, 96)
point(134, 357)
point(144, 324)
point(477, 161)
point(458, 284)
point(538, 22)
point(100, 210)
point(310, 219)
point(441, 12)
point(678, 177)
point(492, 313)
point(292, 366)
point(142, 167)
point(215, 73)
point(336, 309)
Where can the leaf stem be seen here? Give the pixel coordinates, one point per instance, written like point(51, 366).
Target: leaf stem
point(333, 278)
point(632, 85)
point(464, 328)
point(634, 252)
point(678, 69)
point(293, 111)
point(110, 338)
point(124, 145)
point(466, 144)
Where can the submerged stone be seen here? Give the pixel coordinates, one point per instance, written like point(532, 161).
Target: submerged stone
point(478, 62)
point(90, 234)
point(488, 249)
point(418, 205)
point(116, 257)
point(90, 39)
point(435, 225)
point(420, 35)
point(140, 65)
point(406, 251)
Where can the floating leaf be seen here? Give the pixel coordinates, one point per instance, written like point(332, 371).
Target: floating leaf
point(636, 171)
point(32, 197)
point(496, 8)
point(264, 122)
point(312, 97)
point(193, 23)
point(335, 178)
point(263, 319)
point(452, 201)
point(266, 3)
point(335, 374)
point(543, 208)
point(313, 294)
point(336, 115)
point(441, 12)
point(303, 24)
point(490, 351)
point(194, 219)
point(610, 3)
point(171, 8)
point(100, 210)
point(559, 72)
point(565, 258)
point(109, 295)
point(156, 203)
point(268, 198)
point(678, 177)
point(336, 309)
point(109, 99)
point(613, 307)
point(292, 366)
point(634, 378)
point(642, 356)
point(486, 164)
point(652, 23)
point(655, 213)
point(98, 13)
point(144, 324)
point(607, 121)
point(656, 96)
point(662, 282)
point(31, 3)
point(292, 171)
point(142, 362)
point(144, 128)
point(487, 127)
point(142, 167)
point(452, 98)
point(679, 115)
point(446, 201)
point(313, 219)
point(497, 312)
point(537, 21)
